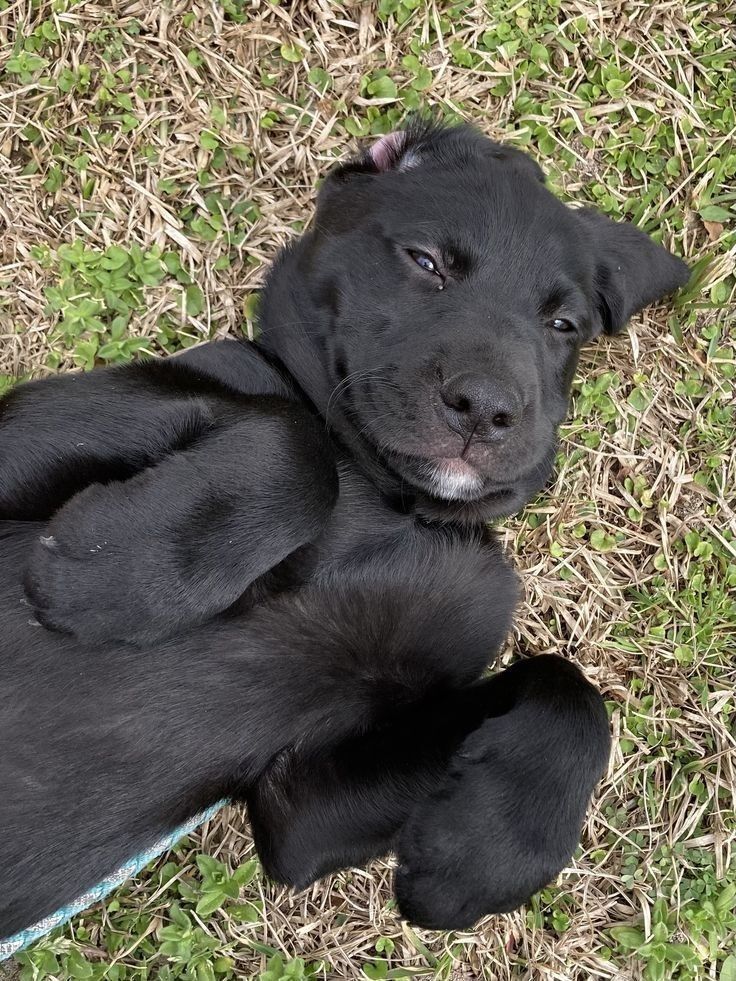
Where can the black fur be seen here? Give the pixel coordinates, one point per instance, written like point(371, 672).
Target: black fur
point(244, 601)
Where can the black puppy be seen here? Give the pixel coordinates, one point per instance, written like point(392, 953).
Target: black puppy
point(264, 568)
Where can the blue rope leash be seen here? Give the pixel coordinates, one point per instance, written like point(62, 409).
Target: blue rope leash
point(19, 941)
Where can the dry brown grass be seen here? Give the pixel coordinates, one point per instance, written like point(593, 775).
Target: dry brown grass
point(624, 607)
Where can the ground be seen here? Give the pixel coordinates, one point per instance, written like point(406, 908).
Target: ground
point(153, 157)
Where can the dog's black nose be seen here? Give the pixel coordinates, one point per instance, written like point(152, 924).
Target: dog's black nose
point(479, 403)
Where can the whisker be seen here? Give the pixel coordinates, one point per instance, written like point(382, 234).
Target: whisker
point(375, 420)
point(348, 380)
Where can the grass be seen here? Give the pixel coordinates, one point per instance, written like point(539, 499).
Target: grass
point(153, 157)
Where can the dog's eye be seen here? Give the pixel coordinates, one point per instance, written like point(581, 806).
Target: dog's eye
point(561, 325)
point(424, 261)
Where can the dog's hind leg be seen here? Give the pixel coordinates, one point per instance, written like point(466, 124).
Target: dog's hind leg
point(319, 809)
point(481, 792)
point(505, 817)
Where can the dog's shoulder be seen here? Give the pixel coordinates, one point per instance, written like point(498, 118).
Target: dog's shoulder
point(234, 366)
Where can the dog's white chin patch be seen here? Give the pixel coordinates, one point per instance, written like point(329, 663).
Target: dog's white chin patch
point(453, 480)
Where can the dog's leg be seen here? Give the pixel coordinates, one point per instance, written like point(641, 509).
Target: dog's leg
point(315, 810)
point(481, 792)
point(60, 434)
point(505, 818)
point(180, 542)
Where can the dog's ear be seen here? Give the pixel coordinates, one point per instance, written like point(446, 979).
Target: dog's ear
point(394, 151)
point(399, 151)
point(424, 138)
point(347, 193)
point(506, 818)
point(631, 270)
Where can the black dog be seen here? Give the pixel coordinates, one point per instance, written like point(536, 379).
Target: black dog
point(246, 602)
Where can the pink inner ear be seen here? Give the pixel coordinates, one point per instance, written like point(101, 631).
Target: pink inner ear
point(386, 152)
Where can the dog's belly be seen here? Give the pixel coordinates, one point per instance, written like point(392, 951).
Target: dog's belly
point(103, 750)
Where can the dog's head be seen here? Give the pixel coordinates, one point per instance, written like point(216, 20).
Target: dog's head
point(436, 309)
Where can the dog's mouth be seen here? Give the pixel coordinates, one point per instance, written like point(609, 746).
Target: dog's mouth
point(446, 478)
point(447, 469)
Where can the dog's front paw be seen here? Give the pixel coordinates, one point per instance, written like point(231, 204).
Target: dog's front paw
point(73, 587)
